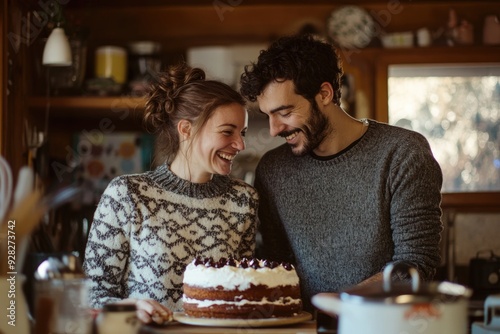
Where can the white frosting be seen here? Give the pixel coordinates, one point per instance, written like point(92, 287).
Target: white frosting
point(243, 302)
point(234, 278)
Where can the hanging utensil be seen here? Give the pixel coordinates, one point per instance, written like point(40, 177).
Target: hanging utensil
point(31, 209)
point(25, 184)
point(60, 196)
point(51, 227)
point(26, 215)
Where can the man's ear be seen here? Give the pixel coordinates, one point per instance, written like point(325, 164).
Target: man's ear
point(325, 94)
point(184, 129)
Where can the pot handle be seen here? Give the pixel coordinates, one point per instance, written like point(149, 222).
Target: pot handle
point(491, 318)
point(415, 278)
point(329, 303)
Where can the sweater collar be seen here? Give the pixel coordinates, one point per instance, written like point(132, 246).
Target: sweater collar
point(167, 180)
point(368, 123)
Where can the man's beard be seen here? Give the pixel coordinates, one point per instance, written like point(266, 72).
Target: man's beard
point(315, 131)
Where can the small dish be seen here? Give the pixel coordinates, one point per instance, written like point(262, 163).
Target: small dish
point(397, 40)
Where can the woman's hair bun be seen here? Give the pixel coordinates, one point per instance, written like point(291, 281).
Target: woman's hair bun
point(179, 75)
point(161, 99)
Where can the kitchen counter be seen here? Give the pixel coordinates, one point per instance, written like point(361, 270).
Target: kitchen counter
point(308, 327)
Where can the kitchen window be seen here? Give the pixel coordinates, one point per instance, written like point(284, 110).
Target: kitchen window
point(457, 108)
point(449, 96)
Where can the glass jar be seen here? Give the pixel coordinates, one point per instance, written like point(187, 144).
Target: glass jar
point(144, 64)
point(111, 62)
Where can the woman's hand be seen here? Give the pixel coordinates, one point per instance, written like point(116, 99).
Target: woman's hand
point(149, 310)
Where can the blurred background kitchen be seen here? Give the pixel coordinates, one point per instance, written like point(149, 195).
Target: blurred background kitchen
point(432, 66)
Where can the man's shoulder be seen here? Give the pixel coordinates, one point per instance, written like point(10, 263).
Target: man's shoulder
point(278, 153)
point(278, 156)
point(398, 134)
point(274, 160)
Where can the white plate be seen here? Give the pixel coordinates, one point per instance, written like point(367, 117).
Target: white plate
point(351, 27)
point(216, 322)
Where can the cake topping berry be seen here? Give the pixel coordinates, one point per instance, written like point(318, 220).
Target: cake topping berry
point(243, 263)
point(254, 263)
point(222, 262)
point(209, 262)
point(270, 264)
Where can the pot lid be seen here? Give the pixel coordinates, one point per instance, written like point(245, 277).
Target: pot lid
point(390, 292)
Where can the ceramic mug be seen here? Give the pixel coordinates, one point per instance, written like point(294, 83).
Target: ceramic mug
point(424, 37)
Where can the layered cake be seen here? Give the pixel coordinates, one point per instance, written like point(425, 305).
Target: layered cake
point(246, 288)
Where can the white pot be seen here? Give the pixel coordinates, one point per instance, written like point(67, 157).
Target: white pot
point(399, 308)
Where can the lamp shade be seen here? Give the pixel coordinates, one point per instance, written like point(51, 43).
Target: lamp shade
point(57, 51)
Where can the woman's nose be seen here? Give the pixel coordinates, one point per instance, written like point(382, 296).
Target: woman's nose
point(240, 143)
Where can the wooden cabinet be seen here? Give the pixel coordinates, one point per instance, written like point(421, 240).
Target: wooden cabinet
point(179, 25)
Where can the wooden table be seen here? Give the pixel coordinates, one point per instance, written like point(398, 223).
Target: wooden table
point(307, 327)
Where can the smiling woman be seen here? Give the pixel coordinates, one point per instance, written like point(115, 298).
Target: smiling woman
point(148, 227)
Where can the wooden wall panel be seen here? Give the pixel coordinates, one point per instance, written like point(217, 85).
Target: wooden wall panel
point(3, 80)
point(179, 27)
point(13, 100)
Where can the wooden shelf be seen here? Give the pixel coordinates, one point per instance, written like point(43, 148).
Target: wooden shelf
point(87, 102)
point(437, 53)
point(78, 107)
point(121, 107)
point(180, 25)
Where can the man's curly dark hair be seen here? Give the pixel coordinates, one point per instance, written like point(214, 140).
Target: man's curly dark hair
point(305, 60)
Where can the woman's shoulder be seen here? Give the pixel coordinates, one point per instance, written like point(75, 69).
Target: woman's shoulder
point(242, 186)
point(123, 184)
point(127, 179)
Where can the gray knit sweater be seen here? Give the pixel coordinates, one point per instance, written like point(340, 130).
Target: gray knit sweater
point(341, 220)
point(148, 227)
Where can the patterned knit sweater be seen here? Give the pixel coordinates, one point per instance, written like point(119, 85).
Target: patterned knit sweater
point(341, 220)
point(148, 227)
